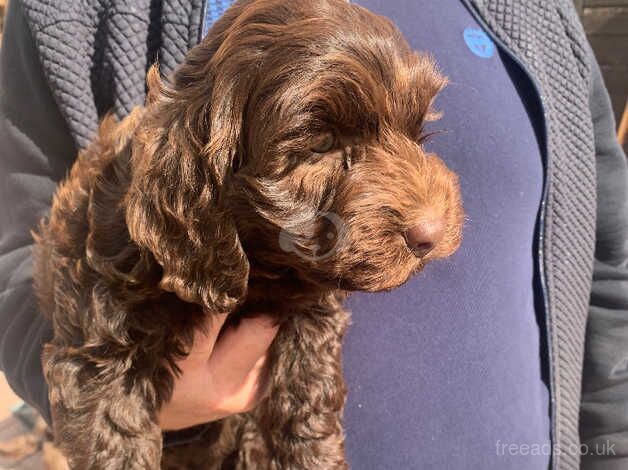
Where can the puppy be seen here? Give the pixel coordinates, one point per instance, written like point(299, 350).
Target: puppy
point(281, 167)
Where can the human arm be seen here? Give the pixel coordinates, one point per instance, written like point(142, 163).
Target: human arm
point(604, 410)
point(36, 150)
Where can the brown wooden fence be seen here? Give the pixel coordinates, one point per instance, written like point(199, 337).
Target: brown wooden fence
point(606, 24)
point(3, 7)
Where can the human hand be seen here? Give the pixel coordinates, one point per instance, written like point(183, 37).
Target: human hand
point(220, 377)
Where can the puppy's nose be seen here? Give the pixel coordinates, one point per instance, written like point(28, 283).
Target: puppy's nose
point(423, 237)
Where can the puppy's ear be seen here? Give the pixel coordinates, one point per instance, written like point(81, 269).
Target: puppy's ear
point(182, 153)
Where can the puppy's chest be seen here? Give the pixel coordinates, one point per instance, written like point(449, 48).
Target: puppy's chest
point(287, 297)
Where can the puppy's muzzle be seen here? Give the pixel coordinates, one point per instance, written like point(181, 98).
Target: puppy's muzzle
point(423, 237)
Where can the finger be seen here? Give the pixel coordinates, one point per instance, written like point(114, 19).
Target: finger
point(247, 395)
point(260, 376)
point(205, 336)
point(239, 349)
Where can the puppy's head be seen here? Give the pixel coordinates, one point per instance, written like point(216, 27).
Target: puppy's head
point(290, 140)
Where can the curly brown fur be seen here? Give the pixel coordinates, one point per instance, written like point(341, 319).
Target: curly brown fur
point(212, 199)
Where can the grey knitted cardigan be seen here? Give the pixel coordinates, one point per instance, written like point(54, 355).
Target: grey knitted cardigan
point(95, 53)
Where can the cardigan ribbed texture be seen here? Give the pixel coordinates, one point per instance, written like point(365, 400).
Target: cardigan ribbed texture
point(85, 45)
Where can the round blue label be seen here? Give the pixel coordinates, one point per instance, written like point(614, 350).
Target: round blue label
point(479, 43)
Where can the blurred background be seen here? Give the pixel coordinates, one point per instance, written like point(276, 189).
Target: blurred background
point(606, 25)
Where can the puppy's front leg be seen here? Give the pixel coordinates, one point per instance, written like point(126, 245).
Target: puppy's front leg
point(302, 417)
point(102, 418)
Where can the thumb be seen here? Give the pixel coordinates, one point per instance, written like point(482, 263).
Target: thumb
point(204, 340)
point(241, 347)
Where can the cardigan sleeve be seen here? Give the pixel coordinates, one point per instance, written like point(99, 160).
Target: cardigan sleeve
point(604, 410)
point(36, 150)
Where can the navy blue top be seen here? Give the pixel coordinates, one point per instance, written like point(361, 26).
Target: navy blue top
point(447, 371)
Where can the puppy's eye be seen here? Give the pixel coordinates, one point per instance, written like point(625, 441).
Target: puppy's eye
point(323, 143)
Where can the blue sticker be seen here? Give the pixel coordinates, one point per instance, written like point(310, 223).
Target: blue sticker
point(479, 43)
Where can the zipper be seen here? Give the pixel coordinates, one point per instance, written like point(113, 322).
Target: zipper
point(541, 223)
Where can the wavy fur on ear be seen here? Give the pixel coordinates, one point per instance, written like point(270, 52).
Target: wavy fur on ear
point(181, 155)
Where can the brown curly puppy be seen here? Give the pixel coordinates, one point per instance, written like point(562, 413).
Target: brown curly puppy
point(281, 167)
